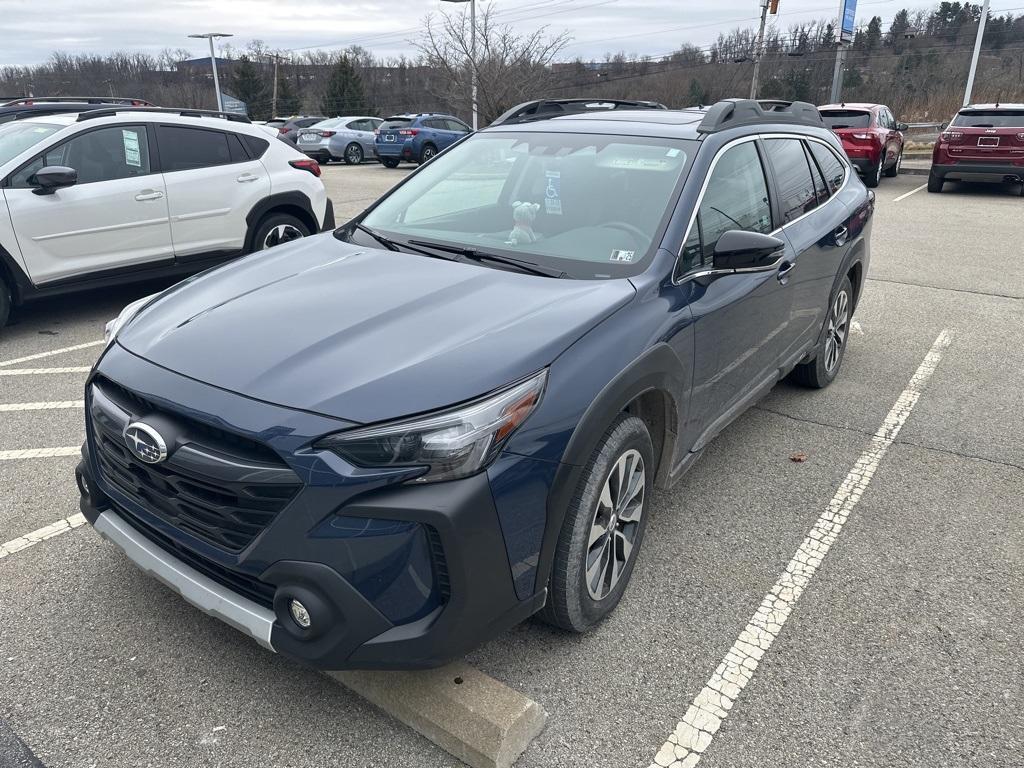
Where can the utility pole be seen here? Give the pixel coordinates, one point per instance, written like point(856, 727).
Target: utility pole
point(759, 49)
point(846, 7)
point(977, 54)
point(273, 99)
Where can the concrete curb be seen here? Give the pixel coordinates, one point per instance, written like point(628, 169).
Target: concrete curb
point(475, 718)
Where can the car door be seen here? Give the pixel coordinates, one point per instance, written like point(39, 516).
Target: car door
point(212, 184)
point(893, 138)
point(366, 130)
point(115, 216)
point(741, 319)
point(457, 129)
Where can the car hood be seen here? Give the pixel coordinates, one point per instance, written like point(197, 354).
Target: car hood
point(364, 334)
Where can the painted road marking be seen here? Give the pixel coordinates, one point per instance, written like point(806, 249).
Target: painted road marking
point(61, 351)
point(39, 453)
point(42, 371)
point(911, 192)
point(710, 708)
point(31, 539)
point(42, 406)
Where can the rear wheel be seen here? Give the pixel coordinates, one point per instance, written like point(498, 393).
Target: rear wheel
point(278, 229)
point(353, 154)
point(5, 302)
point(823, 369)
point(935, 182)
point(894, 171)
point(873, 175)
point(390, 162)
point(428, 153)
point(603, 529)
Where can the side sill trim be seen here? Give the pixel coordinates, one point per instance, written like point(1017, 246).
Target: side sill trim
point(202, 592)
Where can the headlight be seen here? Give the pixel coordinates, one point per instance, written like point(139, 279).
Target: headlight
point(450, 444)
point(114, 326)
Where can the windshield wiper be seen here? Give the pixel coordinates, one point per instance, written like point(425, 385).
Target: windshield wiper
point(475, 255)
point(394, 245)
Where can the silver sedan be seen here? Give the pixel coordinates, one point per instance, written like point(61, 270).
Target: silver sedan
point(341, 138)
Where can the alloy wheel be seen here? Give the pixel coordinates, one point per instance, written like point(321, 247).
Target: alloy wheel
point(354, 155)
point(838, 325)
point(282, 233)
point(615, 524)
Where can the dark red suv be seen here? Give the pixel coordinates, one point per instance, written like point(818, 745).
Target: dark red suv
point(984, 142)
point(872, 138)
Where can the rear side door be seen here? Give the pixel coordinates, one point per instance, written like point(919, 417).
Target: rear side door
point(212, 184)
point(115, 217)
point(741, 319)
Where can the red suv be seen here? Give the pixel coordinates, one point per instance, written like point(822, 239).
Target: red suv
point(872, 138)
point(985, 142)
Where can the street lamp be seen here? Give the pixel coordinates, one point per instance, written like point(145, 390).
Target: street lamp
point(213, 60)
point(472, 47)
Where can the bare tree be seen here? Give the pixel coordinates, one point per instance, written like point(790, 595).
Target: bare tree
point(510, 67)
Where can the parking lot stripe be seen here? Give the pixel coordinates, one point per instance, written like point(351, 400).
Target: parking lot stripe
point(42, 371)
point(52, 352)
point(707, 712)
point(42, 534)
point(42, 406)
point(911, 192)
point(38, 453)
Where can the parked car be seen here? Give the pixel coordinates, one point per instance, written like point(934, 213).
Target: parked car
point(871, 136)
point(417, 138)
point(478, 383)
point(340, 138)
point(984, 142)
point(289, 129)
point(118, 194)
point(17, 109)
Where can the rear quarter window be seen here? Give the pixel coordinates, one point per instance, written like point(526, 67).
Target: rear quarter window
point(257, 146)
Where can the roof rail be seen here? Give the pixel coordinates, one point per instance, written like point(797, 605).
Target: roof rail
point(731, 113)
point(543, 109)
point(234, 117)
point(30, 100)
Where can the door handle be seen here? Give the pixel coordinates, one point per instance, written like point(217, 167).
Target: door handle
point(245, 178)
point(784, 269)
point(840, 234)
point(149, 194)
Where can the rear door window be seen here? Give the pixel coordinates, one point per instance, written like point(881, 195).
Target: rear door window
point(184, 149)
point(457, 125)
point(792, 177)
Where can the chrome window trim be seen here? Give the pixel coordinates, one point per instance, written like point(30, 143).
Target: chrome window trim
point(705, 272)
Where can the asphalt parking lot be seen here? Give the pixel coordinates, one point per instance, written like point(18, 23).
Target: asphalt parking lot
point(903, 650)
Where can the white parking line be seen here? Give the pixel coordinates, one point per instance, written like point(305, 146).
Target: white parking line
point(39, 453)
point(911, 192)
point(42, 406)
point(31, 539)
point(61, 351)
point(709, 709)
point(43, 371)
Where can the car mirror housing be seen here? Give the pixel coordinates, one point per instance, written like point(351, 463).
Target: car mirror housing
point(48, 180)
point(739, 249)
point(902, 127)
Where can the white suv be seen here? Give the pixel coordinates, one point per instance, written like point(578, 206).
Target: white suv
point(120, 194)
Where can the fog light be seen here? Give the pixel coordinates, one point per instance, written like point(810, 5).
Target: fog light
point(299, 614)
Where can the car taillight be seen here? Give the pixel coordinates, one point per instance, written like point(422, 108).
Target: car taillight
point(408, 131)
point(952, 137)
point(862, 136)
point(327, 134)
point(306, 165)
point(282, 129)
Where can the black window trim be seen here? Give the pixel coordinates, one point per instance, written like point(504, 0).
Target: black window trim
point(245, 146)
point(810, 169)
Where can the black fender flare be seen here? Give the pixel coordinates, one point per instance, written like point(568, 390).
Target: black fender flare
point(294, 203)
point(11, 272)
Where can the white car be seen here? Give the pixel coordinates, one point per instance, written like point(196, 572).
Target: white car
point(121, 194)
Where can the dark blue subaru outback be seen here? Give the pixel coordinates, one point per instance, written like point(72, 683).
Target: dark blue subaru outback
point(379, 448)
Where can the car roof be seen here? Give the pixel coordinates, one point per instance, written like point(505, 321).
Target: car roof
point(52, 118)
point(66, 119)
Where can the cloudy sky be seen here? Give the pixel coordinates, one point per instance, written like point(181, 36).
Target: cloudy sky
point(31, 29)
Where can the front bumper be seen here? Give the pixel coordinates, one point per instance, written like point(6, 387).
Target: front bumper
point(980, 171)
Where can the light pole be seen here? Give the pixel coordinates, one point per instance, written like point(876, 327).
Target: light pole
point(213, 60)
point(472, 49)
point(977, 53)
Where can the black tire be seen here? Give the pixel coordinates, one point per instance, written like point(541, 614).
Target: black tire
point(571, 602)
point(5, 302)
point(353, 154)
point(390, 162)
point(823, 369)
point(873, 176)
point(935, 182)
point(894, 170)
point(428, 153)
point(277, 229)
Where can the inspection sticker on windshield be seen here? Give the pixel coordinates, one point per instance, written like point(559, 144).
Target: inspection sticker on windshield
point(132, 156)
point(622, 256)
point(553, 193)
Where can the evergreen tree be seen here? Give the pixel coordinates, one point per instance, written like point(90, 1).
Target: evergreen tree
point(873, 34)
point(344, 94)
point(698, 95)
point(288, 101)
point(250, 86)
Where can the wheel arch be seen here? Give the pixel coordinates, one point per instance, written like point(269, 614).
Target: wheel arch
point(293, 203)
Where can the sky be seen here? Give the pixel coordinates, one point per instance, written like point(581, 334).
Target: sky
point(32, 29)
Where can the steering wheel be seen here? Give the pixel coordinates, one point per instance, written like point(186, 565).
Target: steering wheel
point(638, 234)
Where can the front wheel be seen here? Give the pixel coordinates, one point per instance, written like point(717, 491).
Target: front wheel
point(823, 369)
point(278, 229)
point(603, 528)
point(390, 162)
point(353, 154)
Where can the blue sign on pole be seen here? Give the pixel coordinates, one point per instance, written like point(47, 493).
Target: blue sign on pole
point(848, 20)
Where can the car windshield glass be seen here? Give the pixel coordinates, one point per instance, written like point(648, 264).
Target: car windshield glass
point(591, 206)
point(395, 122)
point(16, 137)
point(991, 118)
point(846, 118)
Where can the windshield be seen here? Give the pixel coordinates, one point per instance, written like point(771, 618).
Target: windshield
point(836, 119)
point(16, 137)
point(990, 118)
point(590, 205)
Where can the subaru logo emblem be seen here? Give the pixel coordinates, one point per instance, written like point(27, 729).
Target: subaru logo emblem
point(145, 443)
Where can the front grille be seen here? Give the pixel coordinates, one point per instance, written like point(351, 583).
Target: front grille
point(221, 488)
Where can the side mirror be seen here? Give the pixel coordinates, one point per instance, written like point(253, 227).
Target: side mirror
point(739, 249)
point(944, 126)
point(51, 178)
point(902, 127)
